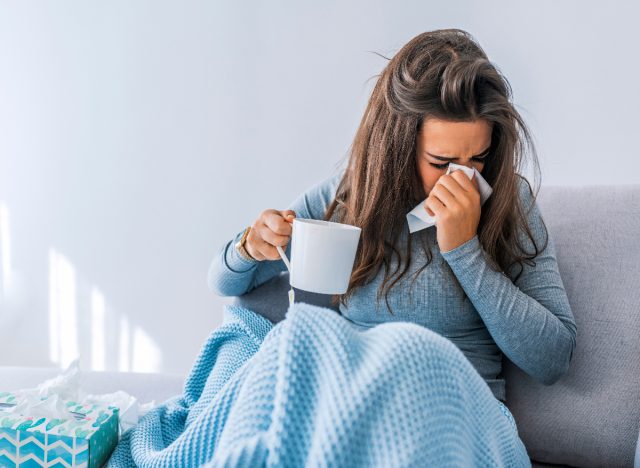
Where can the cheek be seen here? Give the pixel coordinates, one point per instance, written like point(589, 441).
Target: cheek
point(429, 175)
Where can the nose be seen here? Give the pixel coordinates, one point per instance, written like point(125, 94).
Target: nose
point(474, 179)
point(469, 164)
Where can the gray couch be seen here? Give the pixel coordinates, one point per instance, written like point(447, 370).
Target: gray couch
point(591, 416)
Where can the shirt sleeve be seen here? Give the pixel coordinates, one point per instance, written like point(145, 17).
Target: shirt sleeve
point(232, 275)
point(529, 319)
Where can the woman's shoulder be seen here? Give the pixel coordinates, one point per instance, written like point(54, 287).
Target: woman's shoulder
point(525, 191)
point(314, 201)
point(532, 214)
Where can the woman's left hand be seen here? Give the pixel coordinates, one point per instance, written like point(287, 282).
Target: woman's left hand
point(454, 201)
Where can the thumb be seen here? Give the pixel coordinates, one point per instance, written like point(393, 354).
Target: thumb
point(288, 215)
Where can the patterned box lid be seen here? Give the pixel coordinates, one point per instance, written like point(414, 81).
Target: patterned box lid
point(86, 420)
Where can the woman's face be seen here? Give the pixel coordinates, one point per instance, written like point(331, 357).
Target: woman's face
point(441, 141)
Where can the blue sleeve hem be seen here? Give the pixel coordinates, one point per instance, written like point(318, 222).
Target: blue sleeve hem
point(462, 250)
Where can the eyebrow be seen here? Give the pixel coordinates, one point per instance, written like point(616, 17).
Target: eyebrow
point(447, 158)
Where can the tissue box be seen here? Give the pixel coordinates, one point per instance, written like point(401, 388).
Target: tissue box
point(85, 440)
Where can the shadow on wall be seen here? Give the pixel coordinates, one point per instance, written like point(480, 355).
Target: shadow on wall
point(80, 322)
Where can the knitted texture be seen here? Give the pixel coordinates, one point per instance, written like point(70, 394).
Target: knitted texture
point(317, 390)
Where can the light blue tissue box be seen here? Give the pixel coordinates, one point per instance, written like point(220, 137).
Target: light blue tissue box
point(86, 440)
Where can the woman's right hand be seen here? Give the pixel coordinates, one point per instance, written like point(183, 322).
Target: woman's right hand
point(272, 228)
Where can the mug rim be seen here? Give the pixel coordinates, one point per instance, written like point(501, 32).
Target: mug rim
point(322, 224)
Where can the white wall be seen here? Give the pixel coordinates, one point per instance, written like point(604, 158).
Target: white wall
point(137, 137)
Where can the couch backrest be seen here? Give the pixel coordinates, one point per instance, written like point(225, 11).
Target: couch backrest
point(591, 416)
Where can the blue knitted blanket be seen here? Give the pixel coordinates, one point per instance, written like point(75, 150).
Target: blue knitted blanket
point(316, 389)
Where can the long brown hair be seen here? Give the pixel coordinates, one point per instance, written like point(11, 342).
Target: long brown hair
point(443, 74)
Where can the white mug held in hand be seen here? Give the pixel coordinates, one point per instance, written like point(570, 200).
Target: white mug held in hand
point(322, 255)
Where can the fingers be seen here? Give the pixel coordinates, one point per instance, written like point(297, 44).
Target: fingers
point(275, 221)
point(459, 186)
point(474, 180)
point(261, 249)
point(464, 181)
point(273, 238)
point(273, 228)
point(428, 210)
point(288, 215)
point(443, 194)
point(433, 206)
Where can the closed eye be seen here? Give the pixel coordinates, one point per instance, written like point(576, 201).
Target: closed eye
point(443, 166)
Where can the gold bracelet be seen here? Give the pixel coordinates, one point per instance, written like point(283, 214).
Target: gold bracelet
point(242, 250)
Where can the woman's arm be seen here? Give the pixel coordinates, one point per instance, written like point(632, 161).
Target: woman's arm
point(231, 275)
point(531, 321)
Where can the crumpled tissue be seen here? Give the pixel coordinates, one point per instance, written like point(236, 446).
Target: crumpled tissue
point(419, 219)
point(49, 399)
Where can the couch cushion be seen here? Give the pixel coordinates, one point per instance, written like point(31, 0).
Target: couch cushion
point(591, 416)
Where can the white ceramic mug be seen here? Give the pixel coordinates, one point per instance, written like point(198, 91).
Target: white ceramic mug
point(322, 255)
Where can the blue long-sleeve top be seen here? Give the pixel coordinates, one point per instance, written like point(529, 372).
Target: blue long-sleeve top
point(528, 319)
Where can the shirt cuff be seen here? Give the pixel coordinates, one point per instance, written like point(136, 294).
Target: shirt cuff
point(236, 262)
point(462, 250)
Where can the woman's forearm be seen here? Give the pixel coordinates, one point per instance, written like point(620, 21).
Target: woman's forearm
point(533, 326)
point(232, 275)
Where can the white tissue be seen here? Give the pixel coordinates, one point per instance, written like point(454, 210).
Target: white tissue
point(419, 219)
point(48, 399)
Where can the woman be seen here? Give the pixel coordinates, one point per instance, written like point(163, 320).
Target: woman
point(487, 279)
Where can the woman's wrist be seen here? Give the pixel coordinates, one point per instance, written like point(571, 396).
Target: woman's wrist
point(249, 253)
point(463, 249)
point(244, 253)
point(243, 249)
